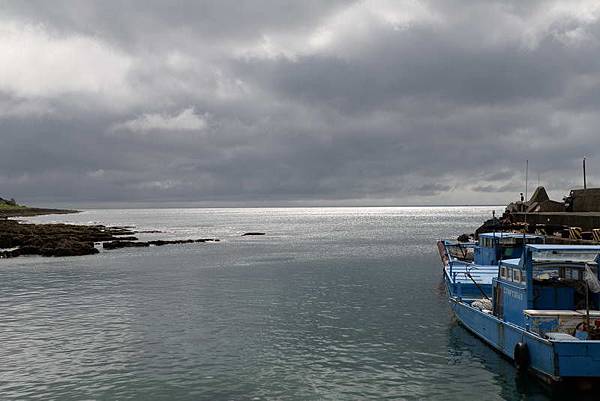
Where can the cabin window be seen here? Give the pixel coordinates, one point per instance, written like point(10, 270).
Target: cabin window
point(503, 272)
point(509, 241)
point(517, 275)
point(572, 274)
point(540, 273)
point(508, 252)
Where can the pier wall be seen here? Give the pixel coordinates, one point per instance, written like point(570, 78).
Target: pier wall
point(585, 220)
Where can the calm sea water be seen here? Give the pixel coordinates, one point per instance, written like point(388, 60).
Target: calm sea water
point(332, 304)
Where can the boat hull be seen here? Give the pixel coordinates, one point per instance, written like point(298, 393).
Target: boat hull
point(552, 361)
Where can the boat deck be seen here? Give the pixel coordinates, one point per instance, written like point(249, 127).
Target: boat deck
point(459, 273)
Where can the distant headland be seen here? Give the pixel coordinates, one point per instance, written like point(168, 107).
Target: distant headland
point(10, 208)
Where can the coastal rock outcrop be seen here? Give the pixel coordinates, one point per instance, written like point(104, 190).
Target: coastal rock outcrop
point(18, 239)
point(464, 238)
point(55, 239)
point(140, 244)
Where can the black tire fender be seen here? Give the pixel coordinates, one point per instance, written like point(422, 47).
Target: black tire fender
point(521, 356)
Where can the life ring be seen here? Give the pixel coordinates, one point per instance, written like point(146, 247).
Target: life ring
point(521, 357)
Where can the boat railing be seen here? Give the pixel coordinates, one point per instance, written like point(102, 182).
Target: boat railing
point(467, 267)
point(469, 271)
point(463, 252)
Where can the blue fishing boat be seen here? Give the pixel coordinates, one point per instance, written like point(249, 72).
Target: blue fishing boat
point(543, 311)
point(471, 266)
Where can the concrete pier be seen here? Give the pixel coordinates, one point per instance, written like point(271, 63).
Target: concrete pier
point(585, 220)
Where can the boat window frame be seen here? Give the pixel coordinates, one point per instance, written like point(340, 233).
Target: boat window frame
point(517, 275)
point(507, 241)
point(566, 270)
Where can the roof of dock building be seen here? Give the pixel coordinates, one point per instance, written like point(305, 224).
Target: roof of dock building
point(550, 247)
point(501, 234)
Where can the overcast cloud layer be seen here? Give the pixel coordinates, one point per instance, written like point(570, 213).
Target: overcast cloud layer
point(350, 102)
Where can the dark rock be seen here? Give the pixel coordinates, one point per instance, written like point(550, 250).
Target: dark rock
point(124, 244)
point(10, 254)
point(69, 240)
point(504, 224)
point(62, 248)
point(464, 238)
point(70, 248)
point(54, 239)
point(140, 244)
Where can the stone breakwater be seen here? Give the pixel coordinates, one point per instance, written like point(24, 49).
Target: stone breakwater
point(18, 239)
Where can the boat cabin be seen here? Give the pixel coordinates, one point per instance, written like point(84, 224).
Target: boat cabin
point(490, 249)
point(494, 247)
point(550, 289)
point(470, 267)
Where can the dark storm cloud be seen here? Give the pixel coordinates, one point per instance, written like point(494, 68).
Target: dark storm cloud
point(384, 101)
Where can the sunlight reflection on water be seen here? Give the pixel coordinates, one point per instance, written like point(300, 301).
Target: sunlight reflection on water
point(333, 303)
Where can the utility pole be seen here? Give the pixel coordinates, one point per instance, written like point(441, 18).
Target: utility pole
point(584, 178)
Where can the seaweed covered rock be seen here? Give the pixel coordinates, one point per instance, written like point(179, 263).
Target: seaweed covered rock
point(18, 239)
point(141, 244)
point(54, 239)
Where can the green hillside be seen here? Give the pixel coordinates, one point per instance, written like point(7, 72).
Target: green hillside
point(9, 204)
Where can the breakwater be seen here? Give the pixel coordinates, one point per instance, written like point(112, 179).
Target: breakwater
point(576, 218)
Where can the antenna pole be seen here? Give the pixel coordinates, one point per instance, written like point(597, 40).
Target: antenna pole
point(526, 194)
point(584, 178)
point(526, 178)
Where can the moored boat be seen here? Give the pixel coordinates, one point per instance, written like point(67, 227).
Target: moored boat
point(543, 312)
point(471, 266)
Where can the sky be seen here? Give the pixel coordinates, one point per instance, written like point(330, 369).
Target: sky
point(276, 102)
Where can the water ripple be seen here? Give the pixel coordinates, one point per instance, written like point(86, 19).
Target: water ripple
point(332, 304)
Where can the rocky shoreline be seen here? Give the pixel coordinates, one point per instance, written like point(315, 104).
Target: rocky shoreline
point(55, 239)
point(19, 239)
point(23, 211)
point(141, 244)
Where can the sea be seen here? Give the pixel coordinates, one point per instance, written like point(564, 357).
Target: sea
point(330, 304)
